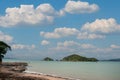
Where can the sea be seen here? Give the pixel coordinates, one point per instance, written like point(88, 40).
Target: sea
point(74, 70)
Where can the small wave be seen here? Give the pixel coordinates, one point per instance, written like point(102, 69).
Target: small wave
point(51, 75)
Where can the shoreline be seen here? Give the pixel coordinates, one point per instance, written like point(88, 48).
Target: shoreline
point(49, 75)
point(17, 71)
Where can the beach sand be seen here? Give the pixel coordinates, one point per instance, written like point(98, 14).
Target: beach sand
point(49, 77)
point(15, 71)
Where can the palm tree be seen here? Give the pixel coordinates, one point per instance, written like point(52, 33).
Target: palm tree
point(3, 50)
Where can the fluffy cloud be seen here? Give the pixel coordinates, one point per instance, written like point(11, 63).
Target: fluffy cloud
point(5, 37)
point(95, 30)
point(86, 35)
point(68, 32)
point(44, 13)
point(102, 26)
point(115, 46)
point(72, 46)
point(78, 7)
point(45, 42)
point(22, 46)
point(49, 35)
point(60, 32)
point(67, 44)
point(98, 29)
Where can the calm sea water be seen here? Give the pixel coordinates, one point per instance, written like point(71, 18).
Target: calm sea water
point(77, 70)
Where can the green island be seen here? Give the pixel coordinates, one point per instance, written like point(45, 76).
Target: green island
point(118, 59)
point(75, 57)
point(48, 59)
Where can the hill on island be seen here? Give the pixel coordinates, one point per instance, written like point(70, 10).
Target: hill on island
point(48, 59)
point(75, 57)
point(114, 59)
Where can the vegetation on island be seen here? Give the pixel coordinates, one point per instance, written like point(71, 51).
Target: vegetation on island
point(75, 57)
point(3, 50)
point(48, 59)
point(114, 59)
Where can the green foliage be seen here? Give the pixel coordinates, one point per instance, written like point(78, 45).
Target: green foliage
point(76, 57)
point(3, 49)
point(118, 59)
point(48, 59)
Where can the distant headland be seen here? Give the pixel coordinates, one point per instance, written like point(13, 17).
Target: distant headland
point(73, 58)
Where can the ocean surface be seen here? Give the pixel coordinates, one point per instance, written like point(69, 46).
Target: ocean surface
point(76, 70)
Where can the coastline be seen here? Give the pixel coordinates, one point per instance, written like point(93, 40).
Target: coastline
point(49, 75)
point(17, 71)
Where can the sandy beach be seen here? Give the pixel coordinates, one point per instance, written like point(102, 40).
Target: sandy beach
point(16, 71)
point(49, 77)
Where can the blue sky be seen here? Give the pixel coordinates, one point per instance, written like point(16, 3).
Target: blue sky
point(39, 28)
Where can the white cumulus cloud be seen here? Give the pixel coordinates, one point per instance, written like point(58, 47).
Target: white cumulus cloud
point(86, 35)
point(45, 42)
point(94, 30)
point(42, 14)
point(115, 46)
point(22, 46)
point(60, 32)
point(28, 14)
point(67, 44)
point(69, 32)
point(102, 26)
point(78, 7)
point(5, 37)
point(72, 46)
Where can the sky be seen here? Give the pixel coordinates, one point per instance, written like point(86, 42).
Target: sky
point(57, 28)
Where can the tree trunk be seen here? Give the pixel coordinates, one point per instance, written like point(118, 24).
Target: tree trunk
point(0, 64)
point(0, 61)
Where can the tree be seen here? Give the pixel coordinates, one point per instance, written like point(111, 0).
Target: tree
point(48, 59)
point(75, 57)
point(3, 50)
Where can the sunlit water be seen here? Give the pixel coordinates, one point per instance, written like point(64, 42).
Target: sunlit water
point(77, 70)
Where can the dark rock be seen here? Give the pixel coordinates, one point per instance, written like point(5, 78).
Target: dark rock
point(15, 66)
